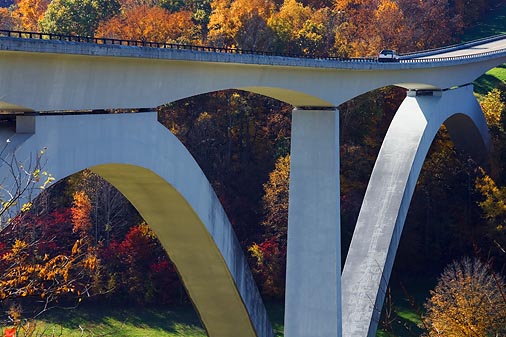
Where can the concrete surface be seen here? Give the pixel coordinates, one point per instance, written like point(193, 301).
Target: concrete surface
point(44, 75)
point(384, 208)
point(313, 298)
point(158, 175)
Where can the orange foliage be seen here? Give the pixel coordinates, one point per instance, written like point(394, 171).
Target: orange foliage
point(81, 212)
point(241, 23)
point(29, 12)
point(371, 25)
point(6, 20)
point(150, 24)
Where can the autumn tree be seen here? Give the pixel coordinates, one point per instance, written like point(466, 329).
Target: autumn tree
point(29, 13)
point(491, 186)
point(139, 270)
point(111, 214)
point(469, 300)
point(472, 11)
point(369, 26)
point(151, 24)
point(241, 24)
point(275, 200)
point(7, 22)
point(235, 137)
point(269, 256)
point(77, 17)
point(43, 264)
point(301, 29)
point(494, 108)
point(445, 24)
point(269, 265)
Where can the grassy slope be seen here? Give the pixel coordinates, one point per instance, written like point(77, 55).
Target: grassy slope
point(121, 322)
point(132, 321)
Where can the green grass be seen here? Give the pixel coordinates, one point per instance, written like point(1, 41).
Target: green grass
point(490, 80)
point(121, 322)
point(133, 322)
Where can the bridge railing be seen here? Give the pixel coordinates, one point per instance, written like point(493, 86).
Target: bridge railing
point(141, 43)
point(457, 46)
point(455, 58)
point(405, 58)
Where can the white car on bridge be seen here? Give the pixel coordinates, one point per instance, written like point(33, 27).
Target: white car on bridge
point(388, 55)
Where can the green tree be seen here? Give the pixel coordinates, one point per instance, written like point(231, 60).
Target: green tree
point(77, 17)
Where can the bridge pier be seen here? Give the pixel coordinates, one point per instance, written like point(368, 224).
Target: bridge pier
point(386, 202)
point(313, 275)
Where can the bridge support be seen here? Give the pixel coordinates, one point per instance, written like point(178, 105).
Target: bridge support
point(313, 289)
point(379, 226)
point(147, 163)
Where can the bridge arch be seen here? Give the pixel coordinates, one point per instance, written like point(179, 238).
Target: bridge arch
point(156, 173)
point(381, 219)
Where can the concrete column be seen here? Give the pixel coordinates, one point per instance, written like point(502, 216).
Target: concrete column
point(313, 275)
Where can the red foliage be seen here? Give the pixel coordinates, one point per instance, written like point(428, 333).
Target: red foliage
point(270, 266)
point(143, 269)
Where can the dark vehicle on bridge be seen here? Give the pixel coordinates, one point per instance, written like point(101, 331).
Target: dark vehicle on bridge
point(388, 55)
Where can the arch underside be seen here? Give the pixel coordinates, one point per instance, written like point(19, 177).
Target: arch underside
point(156, 173)
point(381, 219)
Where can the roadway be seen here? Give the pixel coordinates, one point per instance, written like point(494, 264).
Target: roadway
point(473, 48)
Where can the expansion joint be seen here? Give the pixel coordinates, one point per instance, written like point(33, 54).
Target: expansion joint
point(316, 108)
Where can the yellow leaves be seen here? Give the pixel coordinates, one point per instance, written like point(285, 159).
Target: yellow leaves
point(81, 211)
point(204, 117)
point(493, 107)
point(75, 247)
point(256, 252)
point(29, 12)
point(26, 207)
point(240, 23)
point(48, 181)
point(146, 231)
point(467, 301)
point(494, 204)
point(91, 262)
point(275, 199)
point(18, 247)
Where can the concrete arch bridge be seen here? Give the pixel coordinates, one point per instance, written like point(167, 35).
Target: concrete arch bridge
point(41, 74)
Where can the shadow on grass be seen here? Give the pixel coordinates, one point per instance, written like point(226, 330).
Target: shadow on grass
point(485, 83)
point(105, 319)
point(122, 321)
